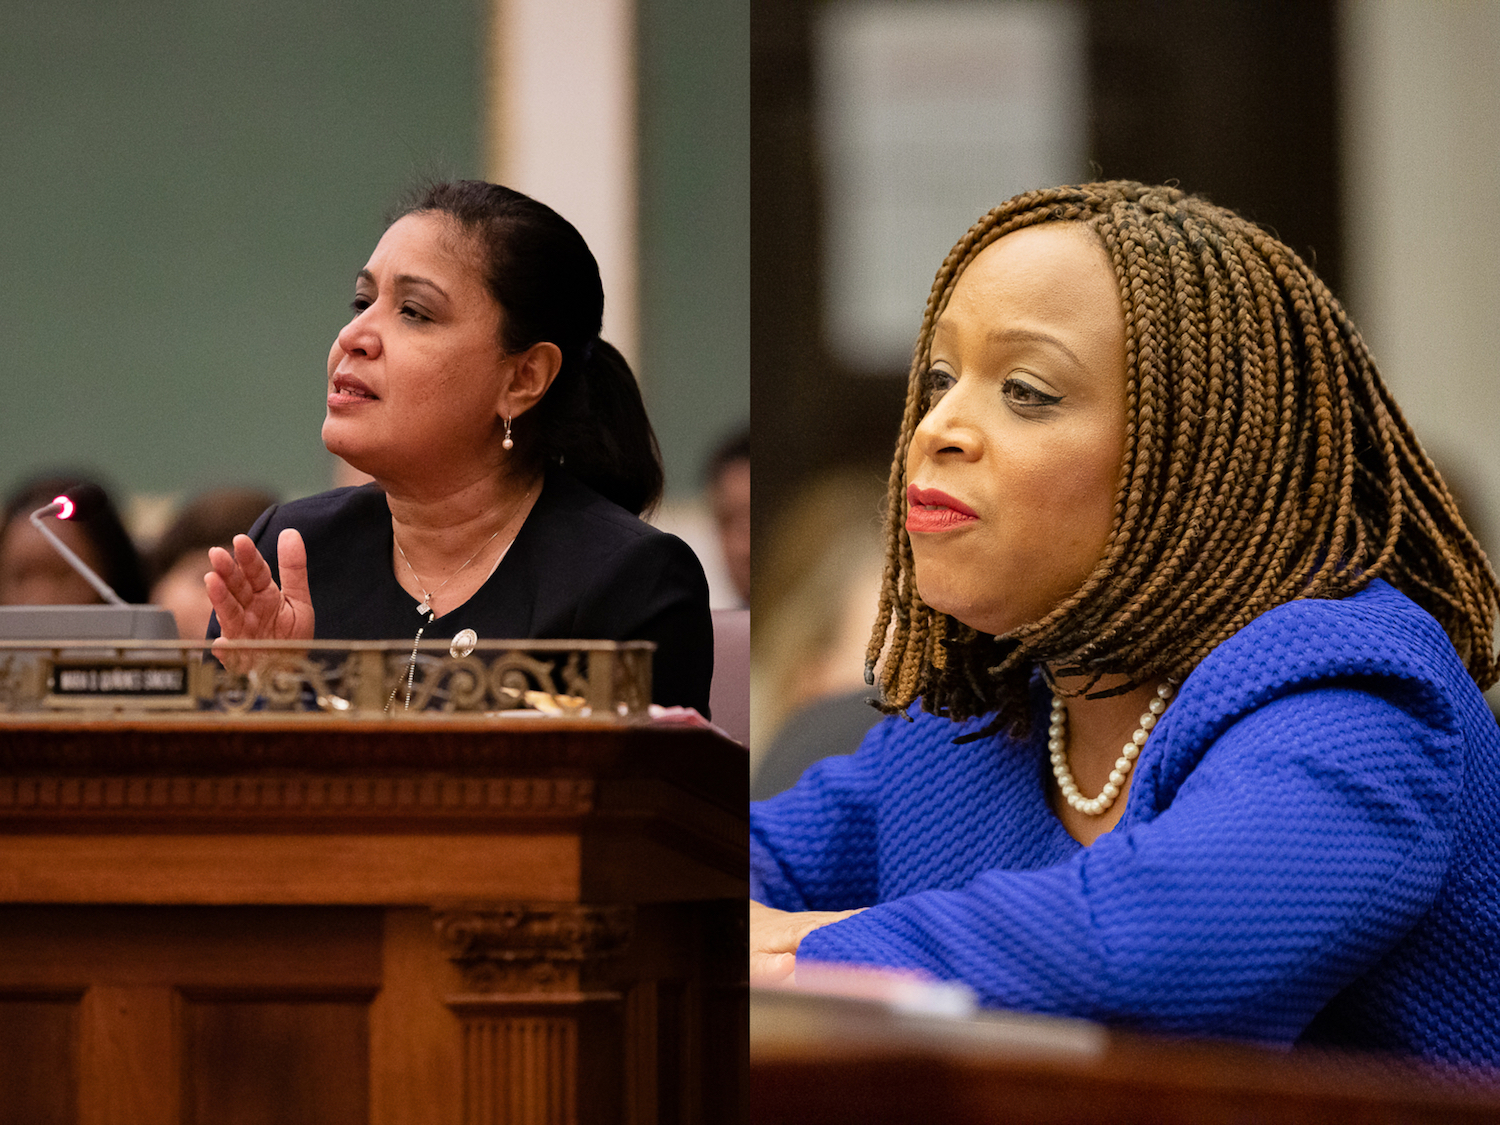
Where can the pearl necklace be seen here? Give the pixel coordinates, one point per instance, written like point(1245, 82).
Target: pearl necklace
point(1058, 747)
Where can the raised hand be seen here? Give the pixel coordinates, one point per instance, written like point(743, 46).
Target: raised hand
point(250, 605)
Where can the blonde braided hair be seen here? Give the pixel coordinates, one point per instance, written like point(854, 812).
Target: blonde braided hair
point(1265, 461)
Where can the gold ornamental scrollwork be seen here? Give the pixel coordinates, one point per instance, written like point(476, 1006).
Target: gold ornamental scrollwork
point(599, 680)
point(531, 947)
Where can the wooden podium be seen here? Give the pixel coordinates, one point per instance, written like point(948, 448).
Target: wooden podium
point(445, 921)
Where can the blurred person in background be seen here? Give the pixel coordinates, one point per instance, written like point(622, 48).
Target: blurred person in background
point(31, 570)
point(729, 494)
point(815, 606)
point(179, 560)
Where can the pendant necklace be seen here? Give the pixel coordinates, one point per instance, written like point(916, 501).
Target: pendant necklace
point(464, 642)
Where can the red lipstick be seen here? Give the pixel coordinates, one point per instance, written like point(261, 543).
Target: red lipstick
point(930, 510)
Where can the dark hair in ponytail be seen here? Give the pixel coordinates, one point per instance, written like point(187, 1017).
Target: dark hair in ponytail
point(541, 272)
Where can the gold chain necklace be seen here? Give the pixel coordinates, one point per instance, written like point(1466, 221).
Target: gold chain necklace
point(425, 605)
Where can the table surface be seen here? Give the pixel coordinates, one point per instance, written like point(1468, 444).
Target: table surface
point(820, 1058)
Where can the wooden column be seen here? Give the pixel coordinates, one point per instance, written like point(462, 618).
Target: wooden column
point(541, 1044)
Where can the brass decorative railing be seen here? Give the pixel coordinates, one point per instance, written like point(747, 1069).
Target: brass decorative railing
point(603, 680)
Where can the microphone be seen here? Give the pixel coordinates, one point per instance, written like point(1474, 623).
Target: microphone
point(66, 507)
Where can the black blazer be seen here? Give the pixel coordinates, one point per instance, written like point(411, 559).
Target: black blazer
point(581, 568)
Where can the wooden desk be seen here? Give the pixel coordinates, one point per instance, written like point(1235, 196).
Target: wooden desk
point(816, 1060)
point(297, 919)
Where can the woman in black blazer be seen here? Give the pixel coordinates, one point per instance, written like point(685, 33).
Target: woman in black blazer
point(511, 454)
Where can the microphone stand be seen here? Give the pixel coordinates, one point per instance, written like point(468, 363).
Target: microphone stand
point(72, 560)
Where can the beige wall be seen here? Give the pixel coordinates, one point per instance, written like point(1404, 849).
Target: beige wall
point(561, 126)
point(631, 119)
point(1422, 174)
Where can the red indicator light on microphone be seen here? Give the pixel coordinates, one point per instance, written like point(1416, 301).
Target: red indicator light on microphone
point(65, 507)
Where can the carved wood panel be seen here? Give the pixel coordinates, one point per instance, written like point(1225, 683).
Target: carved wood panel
point(283, 1061)
point(160, 1015)
point(38, 1059)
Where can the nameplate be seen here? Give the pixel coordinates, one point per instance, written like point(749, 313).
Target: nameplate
point(82, 683)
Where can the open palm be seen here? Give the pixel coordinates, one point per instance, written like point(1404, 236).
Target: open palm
point(250, 605)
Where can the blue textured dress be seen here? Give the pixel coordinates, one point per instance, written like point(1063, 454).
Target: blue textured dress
point(1309, 852)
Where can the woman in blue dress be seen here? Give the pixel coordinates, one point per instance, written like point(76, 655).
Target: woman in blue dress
point(1184, 640)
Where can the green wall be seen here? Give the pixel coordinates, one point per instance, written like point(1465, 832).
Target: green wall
point(695, 226)
point(186, 191)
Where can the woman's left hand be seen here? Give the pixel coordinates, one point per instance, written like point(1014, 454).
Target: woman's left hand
point(775, 936)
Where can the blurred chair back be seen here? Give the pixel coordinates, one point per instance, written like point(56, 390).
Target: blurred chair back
point(729, 695)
